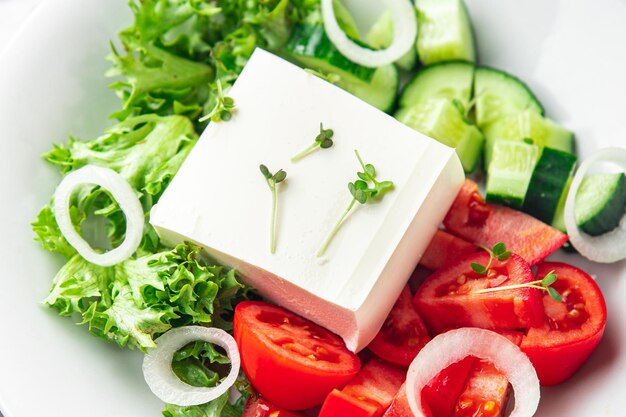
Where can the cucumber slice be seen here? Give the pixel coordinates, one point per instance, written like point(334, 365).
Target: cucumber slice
point(600, 203)
point(380, 92)
point(442, 121)
point(548, 182)
point(451, 80)
point(310, 44)
point(510, 172)
point(310, 47)
point(380, 36)
point(498, 94)
point(445, 31)
point(558, 222)
point(528, 126)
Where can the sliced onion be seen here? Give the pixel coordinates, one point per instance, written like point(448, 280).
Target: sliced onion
point(158, 373)
point(404, 34)
point(611, 246)
point(126, 198)
point(453, 346)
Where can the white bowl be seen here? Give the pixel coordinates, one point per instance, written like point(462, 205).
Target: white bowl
point(571, 53)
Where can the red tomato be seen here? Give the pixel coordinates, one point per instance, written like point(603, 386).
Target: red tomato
point(445, 248)
point(403, 334)
point(400, 406)
point(260, 407)
point(485, 394)
point(442, 391)
point(291, 361)
point(448, 299)
point(471, 218)
point(571, 330)
point(369, 394)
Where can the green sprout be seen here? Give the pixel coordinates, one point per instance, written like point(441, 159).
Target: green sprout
point(498, 251)
point(322, 141)
point(272, 182)
point(544, 284)
point(366, 189)
point(223, 109)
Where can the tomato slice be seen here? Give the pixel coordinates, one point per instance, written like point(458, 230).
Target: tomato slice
point(445, 248)
point(448, 299)
point(260, 407)
point(486, 392)
point(471, 218)
point(400, 406)
point(369, 394)
point(571, 330)
point(403, 333)
point(291, 361)
point(441, 393)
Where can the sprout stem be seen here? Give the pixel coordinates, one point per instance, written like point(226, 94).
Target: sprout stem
point(305, 152)
point(322, 249)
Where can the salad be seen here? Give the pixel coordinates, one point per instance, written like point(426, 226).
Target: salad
point(180, 59)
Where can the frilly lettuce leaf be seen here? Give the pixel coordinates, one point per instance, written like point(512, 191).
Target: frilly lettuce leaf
point(133, 302)
point(146, 150)
point(220, 407)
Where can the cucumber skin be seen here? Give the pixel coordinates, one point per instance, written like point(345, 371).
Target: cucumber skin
point(607, 218)
point(491, 74)
point(511, 191)
point(429, 51)
point(311, 41)
point(415, 90)
point(548, 183)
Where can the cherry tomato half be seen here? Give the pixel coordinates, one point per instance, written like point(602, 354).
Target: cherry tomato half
point(403, 333)
point(291, 361)
point(260, 407)
point(453, 296)
point(572, 329)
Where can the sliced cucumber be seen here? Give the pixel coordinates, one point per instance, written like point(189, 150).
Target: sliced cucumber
point(600, 203)
point(441, 120)
point(445, 31)
point(451, 80)
point(311, 48)
point(380, 92)
point(380, 35)
point(498, 94)
point(528, 126)
point(549, 180)
point(510, 172)
point(309, 42)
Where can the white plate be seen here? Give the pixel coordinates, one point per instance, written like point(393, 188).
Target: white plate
point(571, 53)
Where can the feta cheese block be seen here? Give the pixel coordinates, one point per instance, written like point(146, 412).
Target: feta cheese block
point(220, 200)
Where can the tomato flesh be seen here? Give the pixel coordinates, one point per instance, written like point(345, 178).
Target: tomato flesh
point(448, 298)
point(485, 394)
point(442, 391)
point(445, 248)
point(369, 394)
point(571, 330)
point(471, 218)
point(260, 407)
point(403, 333)
point(291, 361)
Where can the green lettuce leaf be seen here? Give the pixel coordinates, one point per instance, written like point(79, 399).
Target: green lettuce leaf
point(220, 407)
point(133, 302)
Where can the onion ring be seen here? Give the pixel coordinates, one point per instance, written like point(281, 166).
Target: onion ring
point(126, 198)
point(404, 34)
point(608, 247)
point(454, 345)
point(158, 373)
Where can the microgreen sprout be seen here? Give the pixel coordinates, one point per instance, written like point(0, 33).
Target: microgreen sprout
point(224, 106)
point(272, 182)
point(366, 189)
point(322, 141)
point(544, 284)
point(497, 252)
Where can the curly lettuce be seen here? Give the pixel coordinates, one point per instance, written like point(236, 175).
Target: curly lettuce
point(133, 302)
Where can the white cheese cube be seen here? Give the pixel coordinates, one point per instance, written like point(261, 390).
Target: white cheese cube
point(220, 200)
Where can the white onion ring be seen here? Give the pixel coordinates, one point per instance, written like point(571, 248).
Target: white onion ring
point(126, 198)
point(606, 248)
point(450, 347)
point(158, 373)
point(404, 34)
